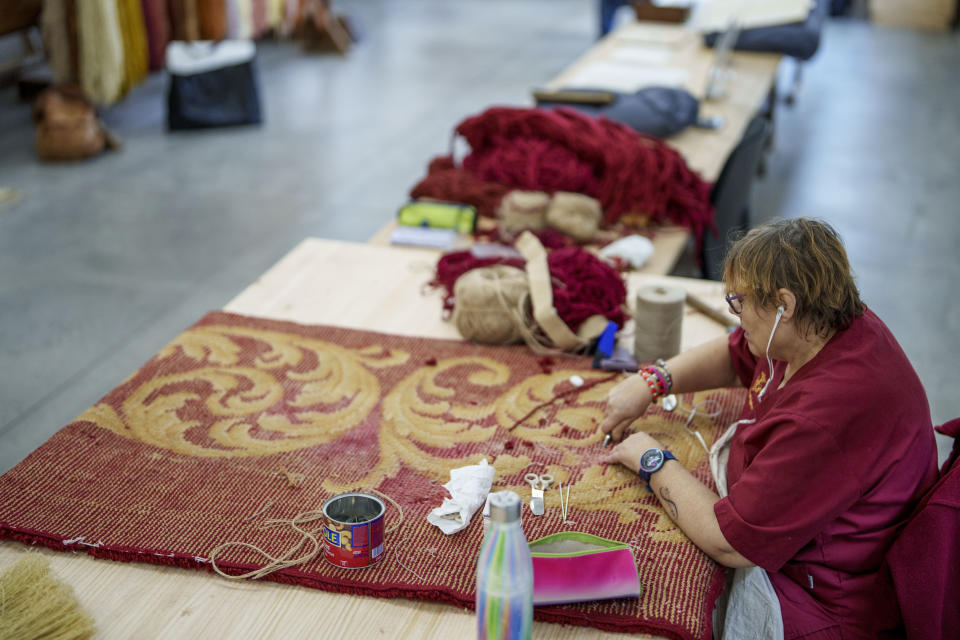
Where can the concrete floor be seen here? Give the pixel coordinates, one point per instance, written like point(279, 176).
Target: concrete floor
point(105, 261)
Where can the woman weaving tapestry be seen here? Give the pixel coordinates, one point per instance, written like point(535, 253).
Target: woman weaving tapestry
point(833, 449)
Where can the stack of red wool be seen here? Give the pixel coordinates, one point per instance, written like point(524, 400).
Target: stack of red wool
point(445, 181)
point(565, 150)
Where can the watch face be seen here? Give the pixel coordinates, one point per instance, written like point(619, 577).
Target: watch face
point(651, 460)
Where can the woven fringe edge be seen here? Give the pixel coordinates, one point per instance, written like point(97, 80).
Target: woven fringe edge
point(298, 578)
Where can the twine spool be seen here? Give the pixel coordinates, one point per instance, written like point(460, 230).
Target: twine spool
point(659, 319)
point(486, 303)
point(521, 210)
point(574, 214)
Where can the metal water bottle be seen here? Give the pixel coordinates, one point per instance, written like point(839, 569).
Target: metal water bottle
point(504, 574)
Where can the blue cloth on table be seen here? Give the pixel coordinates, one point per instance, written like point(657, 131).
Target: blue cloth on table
point(656, 111)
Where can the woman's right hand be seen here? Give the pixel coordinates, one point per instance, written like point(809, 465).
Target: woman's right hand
point(625, 403)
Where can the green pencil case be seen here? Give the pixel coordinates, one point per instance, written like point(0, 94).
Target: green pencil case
point(462, 218)
point(571, 566)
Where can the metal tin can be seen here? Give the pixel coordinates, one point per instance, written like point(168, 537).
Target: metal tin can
point(353, 533)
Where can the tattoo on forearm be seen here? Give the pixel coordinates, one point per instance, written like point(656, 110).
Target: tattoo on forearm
point(665, 496)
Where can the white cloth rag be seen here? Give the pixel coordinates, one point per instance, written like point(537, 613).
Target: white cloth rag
point(468, 487)
point(633, 249)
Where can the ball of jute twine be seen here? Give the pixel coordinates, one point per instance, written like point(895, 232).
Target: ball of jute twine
point(574, 214)
point(485, 302)
point(493, 307)
point(521, 210)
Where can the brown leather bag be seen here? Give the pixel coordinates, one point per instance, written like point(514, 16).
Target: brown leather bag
point(67, 126)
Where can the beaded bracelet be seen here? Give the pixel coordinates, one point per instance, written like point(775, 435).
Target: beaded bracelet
point(661, 383)
point(662, 364)
point(656, 388)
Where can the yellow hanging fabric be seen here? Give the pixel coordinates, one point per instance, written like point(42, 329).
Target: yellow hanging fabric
point(133, 31)
point(275, 15)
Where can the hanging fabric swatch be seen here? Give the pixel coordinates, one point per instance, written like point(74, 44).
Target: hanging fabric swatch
point(212, 15)
point(100, 50)
point(276, 18)
point(56, 39)
point(233, 19)
point(260, 24)
point(133, 31)
point(184, 24)
point(245, 19)
point(157, 22)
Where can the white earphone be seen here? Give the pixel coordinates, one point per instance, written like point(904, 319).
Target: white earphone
point(776, 323)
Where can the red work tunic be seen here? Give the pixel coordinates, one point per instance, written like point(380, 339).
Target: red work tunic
point(820, 484)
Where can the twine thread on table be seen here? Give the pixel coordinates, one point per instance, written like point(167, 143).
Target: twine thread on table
point(658, 322)
point(285, 561)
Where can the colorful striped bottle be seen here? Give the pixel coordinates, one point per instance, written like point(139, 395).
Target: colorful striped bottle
point(504, 574)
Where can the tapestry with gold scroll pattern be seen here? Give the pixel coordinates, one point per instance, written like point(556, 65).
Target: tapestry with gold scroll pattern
point(240, 420)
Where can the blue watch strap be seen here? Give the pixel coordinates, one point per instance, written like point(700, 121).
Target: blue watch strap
point(645, 475)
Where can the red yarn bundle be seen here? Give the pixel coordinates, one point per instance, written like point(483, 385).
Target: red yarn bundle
point(450, 183)
point(583, 285)
point(565, 150)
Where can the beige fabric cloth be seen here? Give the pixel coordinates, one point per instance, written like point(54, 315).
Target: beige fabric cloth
point(102, 69)
point(541, 297)
point(749, 606)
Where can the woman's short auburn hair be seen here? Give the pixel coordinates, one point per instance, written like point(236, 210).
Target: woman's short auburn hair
point(805, 256)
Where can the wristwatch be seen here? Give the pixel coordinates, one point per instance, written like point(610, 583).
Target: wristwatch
point(652, 461)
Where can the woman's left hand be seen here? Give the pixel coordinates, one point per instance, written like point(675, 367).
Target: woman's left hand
point(629, 451)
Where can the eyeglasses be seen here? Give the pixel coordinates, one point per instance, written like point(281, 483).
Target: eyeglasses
point(735, 302)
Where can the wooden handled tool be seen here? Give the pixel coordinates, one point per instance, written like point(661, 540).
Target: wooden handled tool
point(577, 97)
point(718, 316)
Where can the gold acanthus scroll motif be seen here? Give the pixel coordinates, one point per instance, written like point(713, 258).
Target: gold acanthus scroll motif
point(420, 411)
point(421, 416)
point(333, 393)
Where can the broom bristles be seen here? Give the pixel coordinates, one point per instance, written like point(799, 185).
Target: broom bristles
point(34, 604)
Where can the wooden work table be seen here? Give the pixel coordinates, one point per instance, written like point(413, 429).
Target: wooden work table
point(668, 244)
point(750, 81)
point(373, 288)
point(684, 60)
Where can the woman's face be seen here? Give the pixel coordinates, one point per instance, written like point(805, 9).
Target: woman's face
point(757, 323)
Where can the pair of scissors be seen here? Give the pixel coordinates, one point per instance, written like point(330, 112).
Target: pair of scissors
point(538, 484)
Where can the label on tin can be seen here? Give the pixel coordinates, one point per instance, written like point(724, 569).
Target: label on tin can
point(347, 542)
